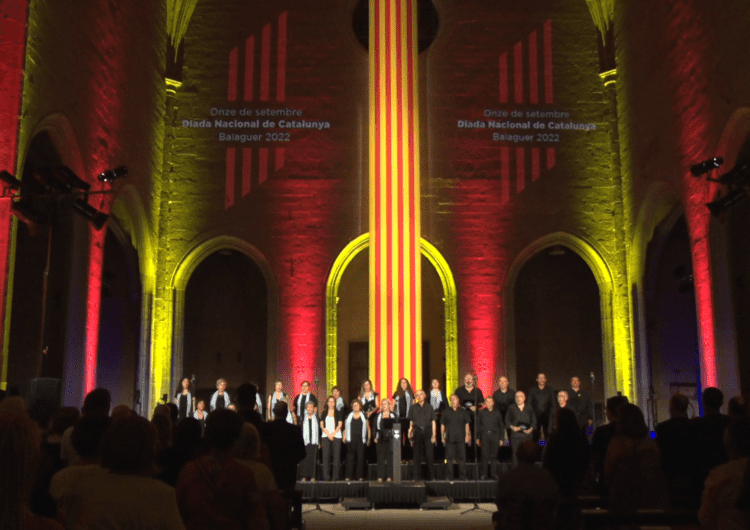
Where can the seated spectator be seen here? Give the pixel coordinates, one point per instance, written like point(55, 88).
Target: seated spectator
point(737, 407)
point(679, 455)
point(126, 496)
point(215, 490)
point(247, 451)
point(19, 458)
point(87, 435)
point(719, 510)
point(632, 468)
point(527, 496)
point(186, 447)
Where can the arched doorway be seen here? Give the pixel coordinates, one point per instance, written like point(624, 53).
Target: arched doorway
point(671, 320)
point(347, 362)
point(225, 325)
point(120, 320)
point(557, 322)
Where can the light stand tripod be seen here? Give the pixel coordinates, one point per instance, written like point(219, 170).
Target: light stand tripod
point(476, 507)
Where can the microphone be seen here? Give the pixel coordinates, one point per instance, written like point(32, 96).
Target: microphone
point(592, 378)
point(706, 166)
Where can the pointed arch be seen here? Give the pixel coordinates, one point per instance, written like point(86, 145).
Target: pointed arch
point(449, 296)
point(618, 358)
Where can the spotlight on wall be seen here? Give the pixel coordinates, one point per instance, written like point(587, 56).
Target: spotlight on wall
point(736, 183)
point(94, 216)
point(113, 174)
point(706, 166)
point(10, 181)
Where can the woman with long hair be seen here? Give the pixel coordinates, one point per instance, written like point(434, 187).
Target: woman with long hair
point(331, 424)
point(369, 399)
point(19, 460)
point(277, 395)
point(184, 399)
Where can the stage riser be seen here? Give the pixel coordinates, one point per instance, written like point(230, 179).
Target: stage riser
point(407, 471)
point(387, 494)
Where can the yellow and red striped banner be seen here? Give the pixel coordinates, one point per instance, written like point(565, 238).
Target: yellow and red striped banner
point(395, 259)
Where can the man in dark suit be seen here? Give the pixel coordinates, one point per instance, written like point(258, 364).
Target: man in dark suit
point(286, 446)
point(542, 401)
point(709, 432)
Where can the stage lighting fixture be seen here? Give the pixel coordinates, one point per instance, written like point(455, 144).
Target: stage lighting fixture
point(30, 216)
point(708, 165)
point(60, 179)
point(94, 216)
point(113, 174)
point(11, 181)
point(722, 204)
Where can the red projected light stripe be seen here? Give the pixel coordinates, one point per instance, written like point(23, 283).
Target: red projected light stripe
point(520, 169)
point(378, 247)
point(388, 183)
point(518, 70)
point(503, 78)
point(263, 165)
point(504, 175)
point(265, 62)
point(229, 197)
point(400, 193)
point(550, 157)
point(414, 255)
point(247, 170)
point(533, 75)
point(548, 62)
point(280, 152)
point(232, 90)
point(534, 163)
point(281, 59)
point(249, 61)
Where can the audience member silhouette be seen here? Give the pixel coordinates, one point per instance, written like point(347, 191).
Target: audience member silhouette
point(675, 438)
point(19, 459)
point(527, 496)
point(126, 496)
point(602, 437)
point(215, 490)
point(632, 468)
point(719, 510)
point(247, 452)
point(566, 456)
point(96, 402)
point(709, 433)
point(286, 446)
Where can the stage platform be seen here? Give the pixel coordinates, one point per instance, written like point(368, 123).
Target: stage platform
point(407, 494)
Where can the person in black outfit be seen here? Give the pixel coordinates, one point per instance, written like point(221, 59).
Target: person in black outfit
point(580, 402)
point(542, 401)
point(311, 435)
point(357, 437)
point(383, 441)
point(331, 424)
point(403, 398)
point(469, 395)
point(521, 420)
point(301, 399)
point(286, 447)
point(455, 428)
point(490, 429)
point(437, 397)
point(184, 398)
point(504, 396)
point(423, 431)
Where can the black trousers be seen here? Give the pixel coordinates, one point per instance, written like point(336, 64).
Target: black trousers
point(423, 446)
point(331, 448)
point(355, 459)
point(515, 440)
point(455, 451)
point(490, 445)
point(307, 466)
point(385, 458)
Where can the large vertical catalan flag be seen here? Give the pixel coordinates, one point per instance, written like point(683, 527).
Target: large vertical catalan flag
point(395, 259)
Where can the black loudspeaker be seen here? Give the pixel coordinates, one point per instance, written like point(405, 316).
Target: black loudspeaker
point(45, 391)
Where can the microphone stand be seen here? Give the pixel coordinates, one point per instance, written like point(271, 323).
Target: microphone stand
point(476, 507)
